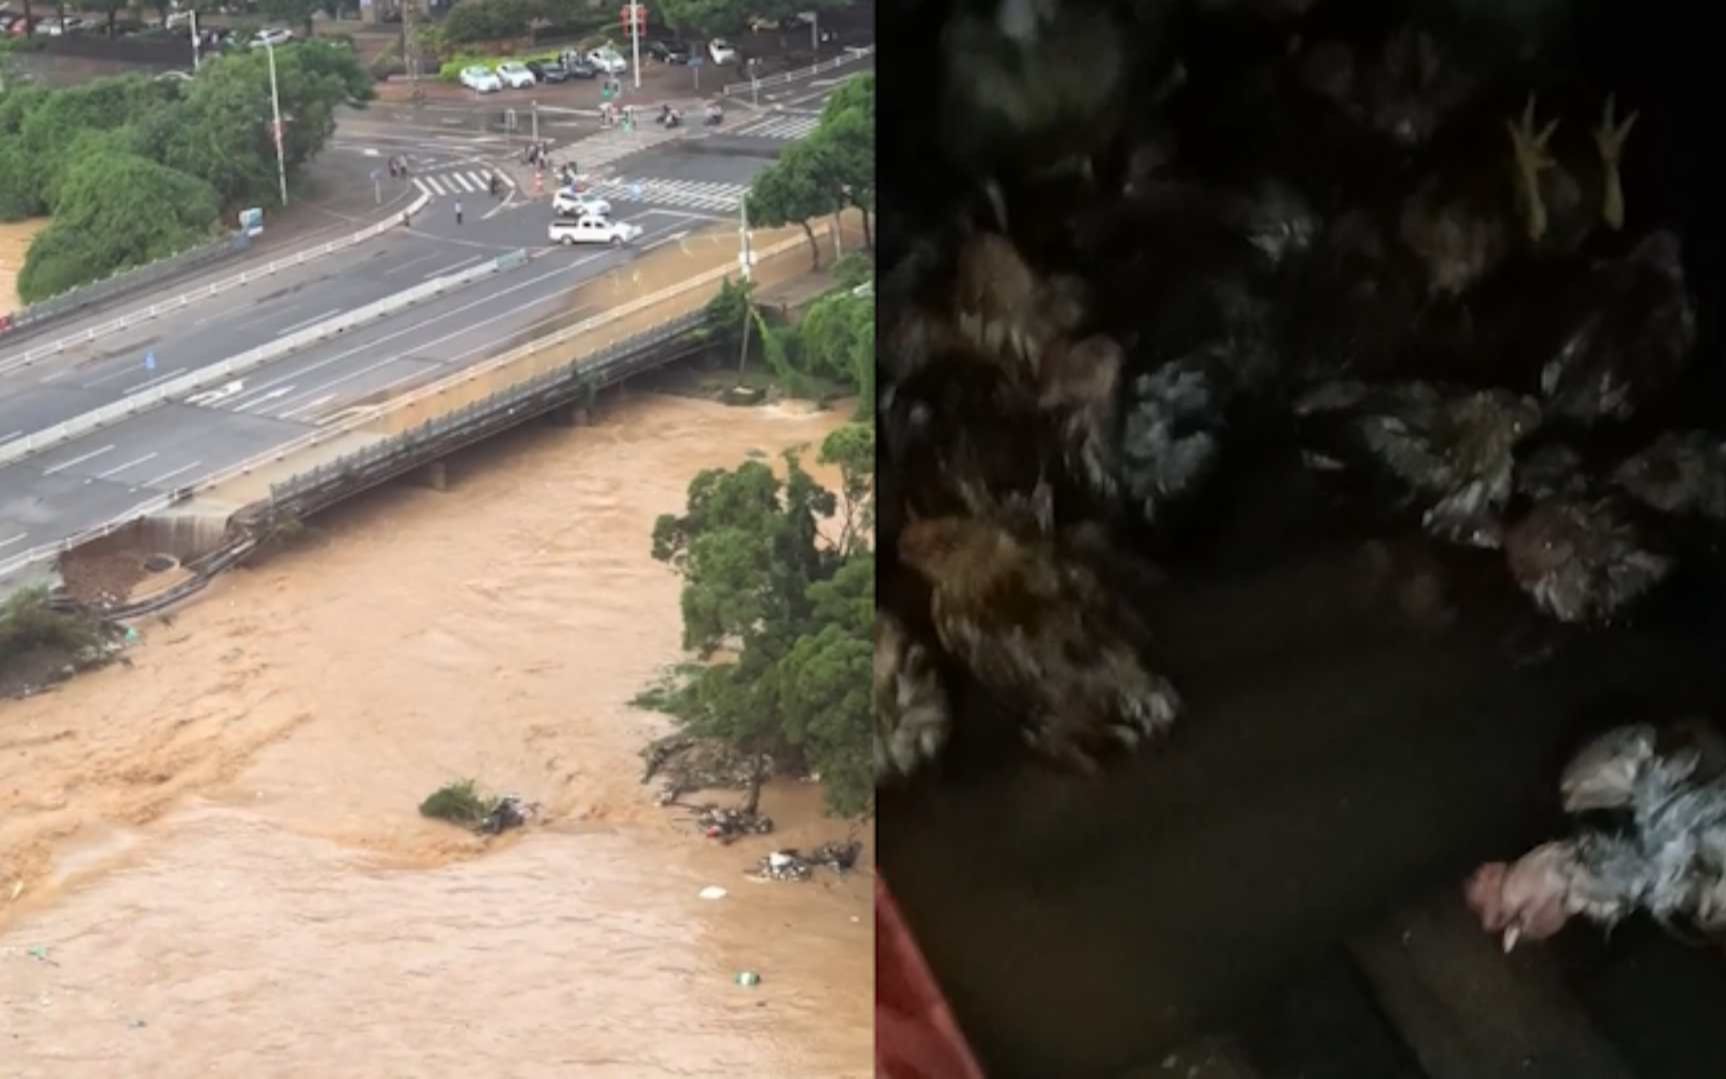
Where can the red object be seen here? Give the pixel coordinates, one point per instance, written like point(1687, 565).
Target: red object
point(916, 1036)
point(640, 16)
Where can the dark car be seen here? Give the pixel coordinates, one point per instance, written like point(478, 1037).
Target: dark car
point(547, 71)
point(668, 52)
point(577, 68)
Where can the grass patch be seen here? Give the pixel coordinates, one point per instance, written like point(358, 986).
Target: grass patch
point(458, 803)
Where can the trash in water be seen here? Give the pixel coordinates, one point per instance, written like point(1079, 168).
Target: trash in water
point(40, 954)
point(748, 977)
point(791, 864)
point(713, 891)
point(725, 825)
point(131, 635)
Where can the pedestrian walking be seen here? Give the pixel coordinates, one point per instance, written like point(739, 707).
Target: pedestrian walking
point(491, 183)
point(392, 166)
point(458, 211)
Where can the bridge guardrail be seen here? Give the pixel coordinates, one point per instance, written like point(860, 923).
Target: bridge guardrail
point(852, 56)
point(131, 405)
point(244, 277)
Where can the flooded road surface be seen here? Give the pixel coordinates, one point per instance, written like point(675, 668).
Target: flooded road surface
point(218, 861)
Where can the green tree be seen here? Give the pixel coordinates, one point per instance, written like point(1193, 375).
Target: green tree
point(852, 449)
point(837, 336)
point(762, 582)
point(717, 18)
point(794, 190)
point(110, 8)
point(117, 210)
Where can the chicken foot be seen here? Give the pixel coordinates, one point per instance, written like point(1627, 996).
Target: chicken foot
point(1610, 138)
point(1531, 159)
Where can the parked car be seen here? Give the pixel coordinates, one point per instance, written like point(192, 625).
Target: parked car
point(71, 24)
point(722, 51)
point(760, 24)
point(515, 75)
point(481, 79)
point(21, 26)
point(668, 52)
point(274, 37)
point(593, 230)
point(609, 60)
point(174, 76)
point(578, 67)
point(572, 203)
point(548, 70)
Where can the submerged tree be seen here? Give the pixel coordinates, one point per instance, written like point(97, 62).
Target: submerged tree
point(763, 582)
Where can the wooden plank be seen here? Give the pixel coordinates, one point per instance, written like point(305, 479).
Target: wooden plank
point(1468, 1011)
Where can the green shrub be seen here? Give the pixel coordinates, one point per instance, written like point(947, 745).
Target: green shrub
point(489, 20)
point(27, 621)
point(458, 803)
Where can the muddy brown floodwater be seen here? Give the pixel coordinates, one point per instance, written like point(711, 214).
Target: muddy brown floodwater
point(218, 861)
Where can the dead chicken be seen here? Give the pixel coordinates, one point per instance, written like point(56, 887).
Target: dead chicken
point(1623, 337)
point(1404, 89)
point(1048, 641)
point(1667, 855)
point(1682, 473)
point(912, 718)
point(1584, 559)
point(1452, 448)
point(1554, 470)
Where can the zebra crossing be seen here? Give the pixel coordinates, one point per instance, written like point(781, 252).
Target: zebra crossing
point(713, 197)
point(458, 182)
point(597, 151)
point(786, 126)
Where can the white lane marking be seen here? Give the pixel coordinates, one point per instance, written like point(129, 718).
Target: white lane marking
point(77, 460)
point(121, 468)
point(12, 436)
point(411, 262)
point(437, 188)
point(10, 540)
point(170, 475)
point(151, 382)
point(452, 312)
point(303, 323)
point(131, 368)
point(458, 178)
point(270, 396)
point(308, 406)
point(424, 190)
point(453, 267)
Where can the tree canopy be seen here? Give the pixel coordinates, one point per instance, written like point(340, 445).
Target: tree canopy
point(831, 169)
point(213, 132)
point(767, 579)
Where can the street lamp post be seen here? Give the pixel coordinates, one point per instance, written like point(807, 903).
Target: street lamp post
point(635, 39)
point(194, 41)
point(744, 260)
point(276, 108)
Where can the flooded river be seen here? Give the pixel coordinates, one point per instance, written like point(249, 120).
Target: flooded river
point(217, 857)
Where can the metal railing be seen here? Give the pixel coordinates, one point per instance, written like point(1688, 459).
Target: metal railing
point(852, 55)
point(132, 404)
point(214, 288)
point(126, 280)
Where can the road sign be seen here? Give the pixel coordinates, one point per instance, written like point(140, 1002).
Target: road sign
point(149, 361)
point(640, 16)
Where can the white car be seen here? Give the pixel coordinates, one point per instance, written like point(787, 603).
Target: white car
point(569, 203)
point(275, 38)
point(515, 75)
point(608, 60)
point(722, 51)
point(593, 230)
point(481, 79)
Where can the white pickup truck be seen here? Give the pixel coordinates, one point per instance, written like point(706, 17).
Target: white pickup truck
point(593, 229)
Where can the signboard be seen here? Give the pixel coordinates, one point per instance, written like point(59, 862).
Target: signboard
point(252, 221)
point(640, 16)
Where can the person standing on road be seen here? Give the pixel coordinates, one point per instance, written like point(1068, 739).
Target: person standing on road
point(458, 211)
point(491, 183)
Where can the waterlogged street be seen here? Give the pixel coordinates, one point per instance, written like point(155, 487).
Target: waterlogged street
point(215, 857)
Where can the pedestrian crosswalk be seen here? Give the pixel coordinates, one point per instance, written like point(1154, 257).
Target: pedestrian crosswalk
point(786, 126)
point(713, 197)
point(593, 153)
point(459, 181)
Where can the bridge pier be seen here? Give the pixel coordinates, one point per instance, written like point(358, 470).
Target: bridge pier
point(434, 476)
point(574, 414)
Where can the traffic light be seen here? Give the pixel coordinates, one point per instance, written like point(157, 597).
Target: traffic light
point(640, 11)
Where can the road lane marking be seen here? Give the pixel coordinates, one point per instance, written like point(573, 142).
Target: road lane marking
point(411, 262)
point(453, 267)
point(309, 405)
point(151, 382)
point(130, 368)
point(269, 396)
point(302, 324)
point(170, 475)
point(121, 468)
point(10, 540)
point(77, 460)
point(12, 436)
point(462, 179)
point(437, 188)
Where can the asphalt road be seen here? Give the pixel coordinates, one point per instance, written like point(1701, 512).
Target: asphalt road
point(105, 474)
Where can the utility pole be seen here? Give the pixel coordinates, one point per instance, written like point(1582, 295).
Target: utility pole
point(748, 305)
point(410, 51)
point(635, 14)
point(535, 105)
point(194, 41)
point(276, 107)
